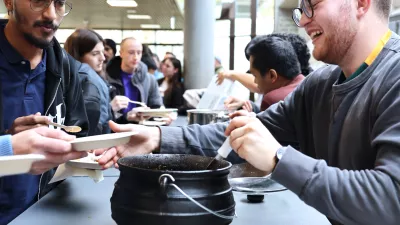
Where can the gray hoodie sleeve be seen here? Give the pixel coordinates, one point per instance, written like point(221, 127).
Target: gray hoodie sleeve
point(278, 118)
point(369, 196)
point(196, 140)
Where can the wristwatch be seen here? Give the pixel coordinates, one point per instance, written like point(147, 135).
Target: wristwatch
point(279, 154)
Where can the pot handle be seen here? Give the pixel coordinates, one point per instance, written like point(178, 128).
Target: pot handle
point(163, 180)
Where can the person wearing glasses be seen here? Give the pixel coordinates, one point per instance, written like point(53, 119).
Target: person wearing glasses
point(39, 83)
point(343, 118)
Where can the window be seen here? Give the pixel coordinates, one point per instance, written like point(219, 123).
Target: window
point(145, 36)
point(169, 37)
point(63, 34)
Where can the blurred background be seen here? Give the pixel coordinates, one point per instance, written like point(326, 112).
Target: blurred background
point(161, 24)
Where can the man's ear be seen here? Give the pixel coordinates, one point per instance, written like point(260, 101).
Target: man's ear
point(362, 7)
point(9, 5)
point(273, 75)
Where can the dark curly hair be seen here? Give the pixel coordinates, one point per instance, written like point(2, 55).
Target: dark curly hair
point(300, 46)
point(275, 53)
point(147, 58)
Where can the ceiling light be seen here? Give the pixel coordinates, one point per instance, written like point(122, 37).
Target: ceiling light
point(122, 3)
point(139, 17)
point(150, 26)
point(172, 21)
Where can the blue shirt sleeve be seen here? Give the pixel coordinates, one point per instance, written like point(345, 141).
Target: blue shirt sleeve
point(5, 145)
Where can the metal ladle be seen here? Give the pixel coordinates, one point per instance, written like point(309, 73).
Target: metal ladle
point(138, 103)
point(70, 129)
point(223, 153)
point(226, 148)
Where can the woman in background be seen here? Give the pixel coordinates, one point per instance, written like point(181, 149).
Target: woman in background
point(147, 58)
point(157, 74)
point(171, 86)
point(87, 47)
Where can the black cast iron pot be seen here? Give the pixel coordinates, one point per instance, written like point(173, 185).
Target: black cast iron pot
point(155, 189)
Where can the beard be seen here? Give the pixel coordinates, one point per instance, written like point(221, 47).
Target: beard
point(41, 43)
point(37, 42)
point(337, 45)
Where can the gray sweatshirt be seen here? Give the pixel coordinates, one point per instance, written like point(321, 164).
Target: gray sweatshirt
point(348, 166)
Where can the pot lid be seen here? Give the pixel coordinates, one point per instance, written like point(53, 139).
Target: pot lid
point(246, 178)
point(255, 185)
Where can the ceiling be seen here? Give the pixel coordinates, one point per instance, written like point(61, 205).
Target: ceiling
point(396, 3)
point(97, 14)
point(289, 4)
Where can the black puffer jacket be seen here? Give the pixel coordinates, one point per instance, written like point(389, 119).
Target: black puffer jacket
point(63, 98)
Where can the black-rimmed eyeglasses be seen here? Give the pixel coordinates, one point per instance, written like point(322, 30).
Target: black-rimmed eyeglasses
point(306, 8)
point(62, 7)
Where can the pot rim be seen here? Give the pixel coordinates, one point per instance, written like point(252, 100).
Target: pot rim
point(226, 168)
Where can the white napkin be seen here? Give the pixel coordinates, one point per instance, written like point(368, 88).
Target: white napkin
point(64, 171)
point(192, 97)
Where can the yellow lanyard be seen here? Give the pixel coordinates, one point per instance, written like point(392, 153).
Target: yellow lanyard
point(378, 48)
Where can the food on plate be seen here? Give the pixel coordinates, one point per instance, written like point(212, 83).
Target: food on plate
point(90, 158)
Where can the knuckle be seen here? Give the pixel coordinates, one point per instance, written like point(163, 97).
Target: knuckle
point(35, 119)
point(248, 128)
point(246, 139)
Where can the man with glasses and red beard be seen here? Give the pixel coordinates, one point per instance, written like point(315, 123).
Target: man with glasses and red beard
point(39, 83)
point(344, 118)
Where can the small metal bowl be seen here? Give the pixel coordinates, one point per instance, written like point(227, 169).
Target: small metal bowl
point(255, 183)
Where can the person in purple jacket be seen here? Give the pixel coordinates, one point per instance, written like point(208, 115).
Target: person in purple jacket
point(130, 80)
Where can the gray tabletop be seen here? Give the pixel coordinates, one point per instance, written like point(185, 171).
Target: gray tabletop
point(79, 200)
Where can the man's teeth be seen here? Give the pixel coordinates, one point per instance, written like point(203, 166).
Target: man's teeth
point(315, 34)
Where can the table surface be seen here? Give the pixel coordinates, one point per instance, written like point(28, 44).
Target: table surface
point(79, 200)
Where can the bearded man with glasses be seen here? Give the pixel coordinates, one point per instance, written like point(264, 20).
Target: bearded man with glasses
point(39, 83)
point(344, 118)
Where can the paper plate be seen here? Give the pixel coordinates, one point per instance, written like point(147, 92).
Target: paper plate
point(153, 123)
point(17, 164)
point(101, 141)
point(142, 110)
point(155, 112)
point(85, 163)
point(161, 119)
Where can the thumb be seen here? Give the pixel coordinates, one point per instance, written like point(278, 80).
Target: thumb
point(53, 133)
point(120, 128)
point(124, 98)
